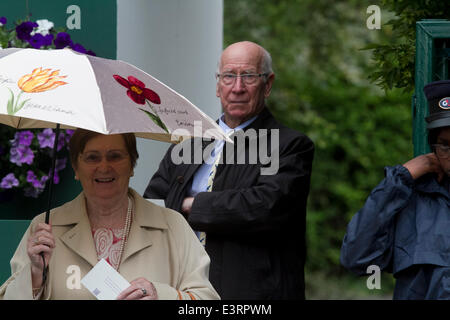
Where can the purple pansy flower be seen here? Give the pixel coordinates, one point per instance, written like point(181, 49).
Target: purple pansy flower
point(3, 20)
point(35, 182)
point(23, 138)
point(37, 41)
point(48, 39)
point(21, 154)
point(68, 135)
point(37, 185)
point(61, 141)
point(9, 181)
point(56, 178)
point(24, 29)
point(78, 48)
point(59, 165)
point(46, 138)
point(62, 40)
point(31, 177)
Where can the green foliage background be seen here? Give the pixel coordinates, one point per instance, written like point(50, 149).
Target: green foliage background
point(395, 58)
point(322, 88)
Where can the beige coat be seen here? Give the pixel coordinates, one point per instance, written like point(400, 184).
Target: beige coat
point(161, 248)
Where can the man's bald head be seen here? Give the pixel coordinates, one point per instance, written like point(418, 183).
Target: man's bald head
point(262, 55)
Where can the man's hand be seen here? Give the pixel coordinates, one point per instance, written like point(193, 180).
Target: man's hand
point(187, 205)
point(423, 164)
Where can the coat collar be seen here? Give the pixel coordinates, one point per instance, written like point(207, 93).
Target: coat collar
point(79, 237)
point(259, 123)
point(429, 184)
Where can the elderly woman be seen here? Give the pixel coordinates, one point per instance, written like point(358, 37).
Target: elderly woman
point(150, 246)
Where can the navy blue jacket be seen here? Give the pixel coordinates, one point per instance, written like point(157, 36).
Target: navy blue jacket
point(404, 228)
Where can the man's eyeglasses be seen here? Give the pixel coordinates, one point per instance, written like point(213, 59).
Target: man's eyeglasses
point(441, 150)
point(95, 157)
point(247, 78)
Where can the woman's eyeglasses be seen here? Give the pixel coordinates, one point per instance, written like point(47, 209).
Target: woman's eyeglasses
point(441, 150)
point(96, 157)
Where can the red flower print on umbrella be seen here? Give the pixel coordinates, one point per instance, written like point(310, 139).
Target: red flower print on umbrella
point(142, 95)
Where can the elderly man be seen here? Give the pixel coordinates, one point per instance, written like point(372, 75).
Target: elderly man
point(250, 213)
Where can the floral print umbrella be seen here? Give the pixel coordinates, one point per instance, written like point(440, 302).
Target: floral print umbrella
point(42, 88)
point(66, 89)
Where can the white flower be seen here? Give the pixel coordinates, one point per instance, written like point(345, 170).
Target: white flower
point(43, 27)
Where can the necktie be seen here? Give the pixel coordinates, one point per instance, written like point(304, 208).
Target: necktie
point(212, 173)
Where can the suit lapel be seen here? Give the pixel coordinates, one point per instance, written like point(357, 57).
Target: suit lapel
point(79, 238)
point(139, 239)
point(146, 218)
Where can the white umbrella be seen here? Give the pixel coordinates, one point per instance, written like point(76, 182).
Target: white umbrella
point(62, 88)
point(41, 88)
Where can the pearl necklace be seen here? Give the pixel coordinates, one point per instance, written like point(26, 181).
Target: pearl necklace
point(126, 230)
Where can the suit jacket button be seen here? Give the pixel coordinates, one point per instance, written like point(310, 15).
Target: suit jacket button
point(180, 179)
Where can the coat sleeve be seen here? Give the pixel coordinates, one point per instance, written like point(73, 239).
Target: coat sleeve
point(18, 285)
point(193, 282)
point(267, 204)
point(159, 185)
point(370, 234)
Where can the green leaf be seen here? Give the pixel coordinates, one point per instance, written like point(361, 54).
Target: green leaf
point(9, 106)
point(157, 120)
point(20, 106)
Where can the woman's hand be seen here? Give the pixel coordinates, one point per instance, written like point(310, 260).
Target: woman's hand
point(426, 163)
point(140, 289)
point(41, 240)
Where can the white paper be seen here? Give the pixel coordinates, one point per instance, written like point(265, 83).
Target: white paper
point(104, 282)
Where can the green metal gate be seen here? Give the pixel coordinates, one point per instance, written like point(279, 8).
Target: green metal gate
point(432, 64)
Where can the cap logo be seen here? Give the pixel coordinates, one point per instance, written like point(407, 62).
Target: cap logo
point(445, 103)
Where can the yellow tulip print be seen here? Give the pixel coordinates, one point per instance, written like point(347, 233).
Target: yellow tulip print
point(39, 80)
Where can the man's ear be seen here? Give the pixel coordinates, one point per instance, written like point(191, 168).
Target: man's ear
point(217, 90)
point(268, 85)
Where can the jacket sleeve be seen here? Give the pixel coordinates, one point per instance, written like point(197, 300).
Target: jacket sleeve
point(193, 282)
point(370, 234)
point(159, 185)
point(264, 206)
point(18, 285)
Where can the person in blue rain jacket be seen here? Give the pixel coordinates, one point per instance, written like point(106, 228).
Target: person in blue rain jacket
point(404, 226)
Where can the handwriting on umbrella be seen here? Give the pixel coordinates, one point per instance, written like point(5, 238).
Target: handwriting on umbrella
point(39, 80)
point(142, 95)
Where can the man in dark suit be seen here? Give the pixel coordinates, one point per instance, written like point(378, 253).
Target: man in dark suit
point(249, 198)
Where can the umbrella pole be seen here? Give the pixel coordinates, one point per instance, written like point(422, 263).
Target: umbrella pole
point(50, 192)
point(52, 174)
